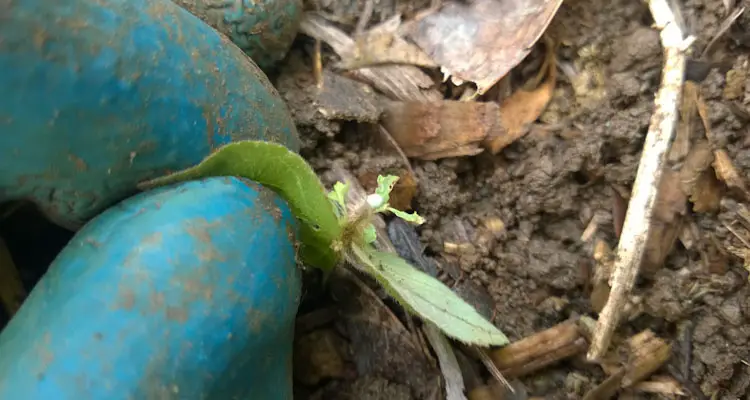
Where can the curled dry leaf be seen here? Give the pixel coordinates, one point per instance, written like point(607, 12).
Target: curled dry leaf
point(670, 206)
point(382, 344)
point(433, 130)
point(688, 112)
point(645, 354)
point(726, 171)
point(402, 82)
point(722, 163)
point(524, 107)
point(384, 45)
point(454, 380)
point(698, 179)
point(317, 356)
point(480, 41)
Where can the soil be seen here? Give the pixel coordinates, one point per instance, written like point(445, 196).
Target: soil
point(505, 230)
point(576, 162)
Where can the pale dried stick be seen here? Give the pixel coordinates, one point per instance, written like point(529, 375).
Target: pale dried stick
point(633, 239)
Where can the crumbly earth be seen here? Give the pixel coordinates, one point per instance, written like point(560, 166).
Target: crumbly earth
point(547, 186)
point(578, 162)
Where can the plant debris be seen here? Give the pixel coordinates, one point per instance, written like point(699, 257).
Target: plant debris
point(480, 41)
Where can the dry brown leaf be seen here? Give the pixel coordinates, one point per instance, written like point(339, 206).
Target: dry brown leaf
point(433, 130)
point(317, 356)
point(698, 160)
point(604, 258)
point(664, 385)
point(648, 353)
point(722, 163)
point(707, 193)
point(401, 82)
point(619, 208)
point(703, 114)
point(688, 111)
point(480, 41)
point(380, 340)
point(483, 392)
point(429, 131)
point(726, 171)
point(383, 45)
point(698, 179)
point(449, 366)
point(524, 107)
point(670, 206)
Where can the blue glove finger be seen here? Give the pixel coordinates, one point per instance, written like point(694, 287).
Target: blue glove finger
point(98, 95)
point(184, 292)
point(263, 29)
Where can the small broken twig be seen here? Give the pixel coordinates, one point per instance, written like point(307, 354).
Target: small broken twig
point(540, 350)
point(494, 371)
point(633, 241)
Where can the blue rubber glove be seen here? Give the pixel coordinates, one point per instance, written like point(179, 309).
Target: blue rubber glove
point(184, 292)
point(98, 95)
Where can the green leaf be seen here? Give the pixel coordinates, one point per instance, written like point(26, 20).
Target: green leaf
point(370, 234)
point(338, 197)
point(288, 174)
point(385, 185)
point(429, 298)
point(414, 218)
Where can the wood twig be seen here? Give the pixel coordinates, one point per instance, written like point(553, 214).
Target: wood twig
point(540, 350)
point(635, 233)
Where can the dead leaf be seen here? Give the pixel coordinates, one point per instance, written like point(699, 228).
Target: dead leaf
point(384, 45)
point(671, 200)
point(339, 98)
point(434, 130)
point(524, 107)
point(429, 131)
point(317, 356)
point(648, 353)
point(644, 354)
point(619, 208)
point(707, 194)
point(703, 114)
point(454, 380)
point(726, 171)
point(722, 163)
point(480, 41)
point(688, 111)
point(698, 179)
point(663, 385)
point(400, 82)
point(604, 258)
point(714, 257)
point(382, 345)
point(670, 206)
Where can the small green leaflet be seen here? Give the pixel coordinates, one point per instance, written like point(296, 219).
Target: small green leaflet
point(385, 186)
point(429, 299)
point(274, 166)
point(338, 197)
